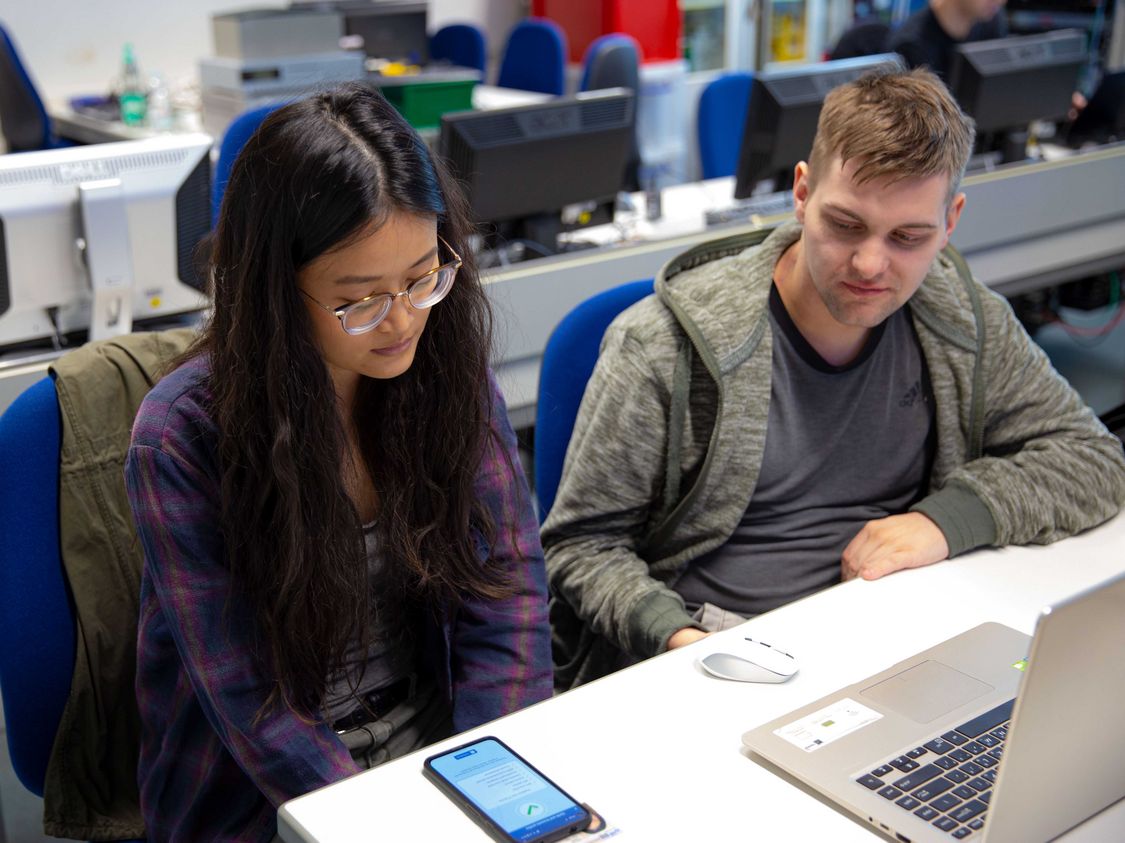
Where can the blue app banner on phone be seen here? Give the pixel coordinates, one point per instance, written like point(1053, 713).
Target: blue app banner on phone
point(517, 798)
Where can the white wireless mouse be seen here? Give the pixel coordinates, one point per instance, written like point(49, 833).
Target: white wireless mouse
point(756, 662)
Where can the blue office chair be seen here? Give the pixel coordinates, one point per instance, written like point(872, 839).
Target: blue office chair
point(23, 118)
point(235, 137)
point(461, 44)
point(722, 118)
point(568, 362)
point(534, 57)
point(36, 612)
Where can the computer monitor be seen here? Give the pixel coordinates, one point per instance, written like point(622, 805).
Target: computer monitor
point(391, 29)
point(96, 238)
point(522, 166)
point(782, 114)
point(1007, 83)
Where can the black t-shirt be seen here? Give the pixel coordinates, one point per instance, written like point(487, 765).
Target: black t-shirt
point(922, 42)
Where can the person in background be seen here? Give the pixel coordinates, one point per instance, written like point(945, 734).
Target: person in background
point(927, 38)
point(341, 561)
point(840, 400)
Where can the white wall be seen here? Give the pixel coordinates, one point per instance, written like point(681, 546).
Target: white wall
point(74, 46)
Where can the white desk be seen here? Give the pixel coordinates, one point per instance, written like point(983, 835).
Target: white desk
point(656, 748)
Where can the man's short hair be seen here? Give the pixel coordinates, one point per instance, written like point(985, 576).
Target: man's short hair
point(896, 125)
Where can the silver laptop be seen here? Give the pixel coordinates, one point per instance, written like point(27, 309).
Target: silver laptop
point(990, 735)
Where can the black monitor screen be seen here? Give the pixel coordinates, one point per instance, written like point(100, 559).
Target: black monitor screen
point(782, 114)
point(390, 30)
point(1009, 82)
point(532, 160)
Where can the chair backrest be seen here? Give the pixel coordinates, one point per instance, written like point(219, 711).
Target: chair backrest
point(23, 118)
point(534, 57)
point(461, 44)
point(614, 61)
point(866, 38)
point(37, 622)
point(611, 61)
point(235, 137)
point(568, 362)
point(722, 118)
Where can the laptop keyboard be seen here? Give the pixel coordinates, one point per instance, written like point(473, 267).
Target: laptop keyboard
point(948, 781)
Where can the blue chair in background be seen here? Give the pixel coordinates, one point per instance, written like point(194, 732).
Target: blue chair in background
point(722, 118)
point(461, 44)
point(235, 137)
point(37, 622)
point(568, 362)
point(534, 57)
point(23, 118)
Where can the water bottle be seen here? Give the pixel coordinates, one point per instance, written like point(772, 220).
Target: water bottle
point(158, 113)
point(134, 96)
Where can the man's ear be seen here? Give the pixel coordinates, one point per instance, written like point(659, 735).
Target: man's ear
point(952, 215)
point(801, 190)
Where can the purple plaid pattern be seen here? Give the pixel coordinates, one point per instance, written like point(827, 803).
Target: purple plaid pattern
point(208, 770)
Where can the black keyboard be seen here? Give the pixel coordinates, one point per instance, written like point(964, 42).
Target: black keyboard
point(765, 205)
point(948, 781)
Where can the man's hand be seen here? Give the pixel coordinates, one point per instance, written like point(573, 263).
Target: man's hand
point(891, 544)
point(685, 636)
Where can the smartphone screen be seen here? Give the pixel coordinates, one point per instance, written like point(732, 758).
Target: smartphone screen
point(492, 783)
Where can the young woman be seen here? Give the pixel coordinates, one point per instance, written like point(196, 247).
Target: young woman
point(341, 560)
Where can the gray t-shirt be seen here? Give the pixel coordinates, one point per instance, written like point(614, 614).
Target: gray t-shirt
point(844, 445)
point(388, 658)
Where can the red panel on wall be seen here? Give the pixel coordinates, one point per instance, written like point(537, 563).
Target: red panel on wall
point(655, 24)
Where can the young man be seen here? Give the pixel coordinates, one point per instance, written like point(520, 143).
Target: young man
point(927, 38)
point(840, 400)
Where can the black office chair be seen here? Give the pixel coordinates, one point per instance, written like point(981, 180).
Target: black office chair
point(866, 38)
point(613, 61)
point(23, 118)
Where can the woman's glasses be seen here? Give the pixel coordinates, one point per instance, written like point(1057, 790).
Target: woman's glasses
point(364, 315)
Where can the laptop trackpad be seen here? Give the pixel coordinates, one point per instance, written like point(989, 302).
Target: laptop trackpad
point(926, 691)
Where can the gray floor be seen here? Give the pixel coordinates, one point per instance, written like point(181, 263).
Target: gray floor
point(1096, 367)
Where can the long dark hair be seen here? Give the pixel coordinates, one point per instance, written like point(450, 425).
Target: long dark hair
point(317, 174)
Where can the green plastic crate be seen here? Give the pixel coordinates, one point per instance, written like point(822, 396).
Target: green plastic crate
point(423, 103)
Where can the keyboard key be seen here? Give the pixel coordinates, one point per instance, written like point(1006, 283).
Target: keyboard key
point(882, 770)
point(946, 763)
point(945, 823)
point(939, 746)
point(988, 740)
point(959, 755)
point(917, 777)
point(926, 812)
point(908, 803)
point(997, 753)
point(935, 788)
point(987, 721)
point(986, 761)
point(944, 803)
point(971, 768)
point(985, 797)
point(954, 738)
point(917, 752)
point(980, 784)
point(977, 824)
point(904, 764)
point(967, 811)
point(990, 775)
point(1001, 733)
point(961, 833)
point(974, 747)
point(889, 792)
point(965, 792)
point(956, 776)
point(870, 782)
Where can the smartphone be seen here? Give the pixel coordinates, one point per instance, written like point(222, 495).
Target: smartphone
point(505, 795)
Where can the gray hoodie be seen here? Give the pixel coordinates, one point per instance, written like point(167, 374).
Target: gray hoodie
point(669, 437)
